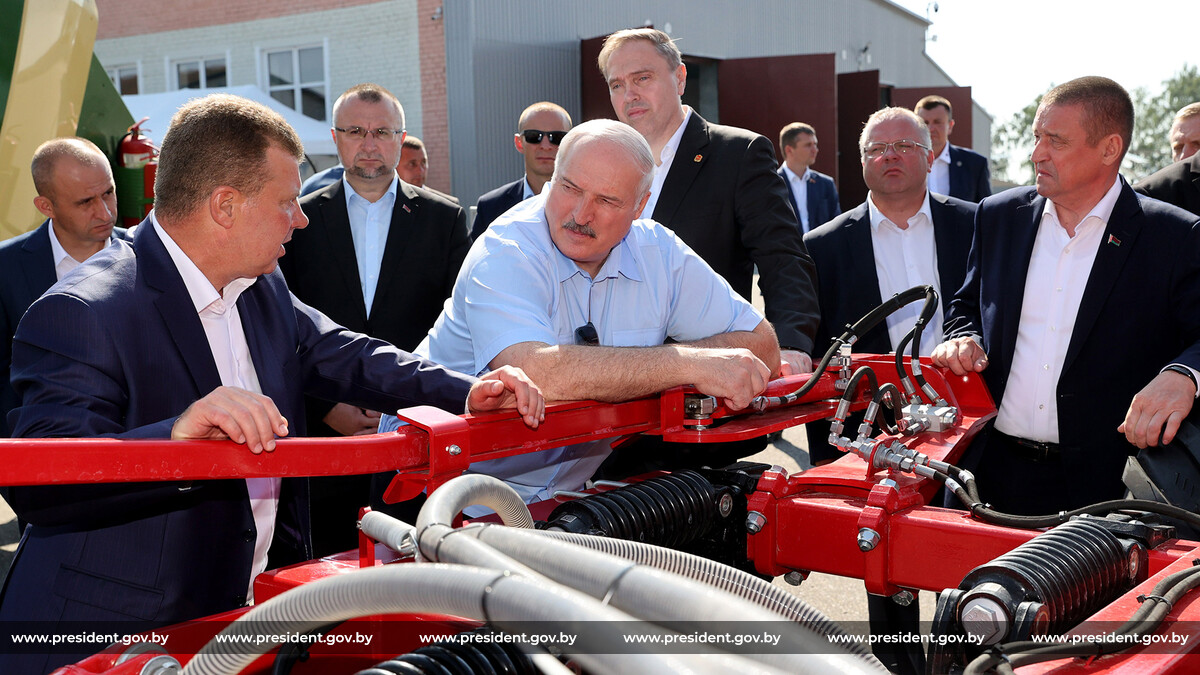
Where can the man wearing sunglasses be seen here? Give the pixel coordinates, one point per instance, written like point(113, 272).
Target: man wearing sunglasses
point(539, 131)
point(584, 296)
point(379, 256)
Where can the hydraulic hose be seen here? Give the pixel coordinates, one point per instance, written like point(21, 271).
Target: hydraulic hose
point(663, 597)
point(457, 590)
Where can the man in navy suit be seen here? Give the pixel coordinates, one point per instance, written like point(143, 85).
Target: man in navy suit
point(814, 195)
point(1177, 184)
point(1081, 307)
point(190, 332)
point(540, 129)
point(901, 237)
point(956, 171)
point(76, 193)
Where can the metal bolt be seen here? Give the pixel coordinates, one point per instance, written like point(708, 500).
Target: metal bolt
point(725, 505)
point(755, 522)
point(1135, 562)
point(904, 598)
point(983, 617)
point(888, 482)
point(454, 449)
point(795, 577)
point(868, 539)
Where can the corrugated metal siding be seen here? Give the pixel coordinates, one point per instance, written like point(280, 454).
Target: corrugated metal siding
point(503, 55)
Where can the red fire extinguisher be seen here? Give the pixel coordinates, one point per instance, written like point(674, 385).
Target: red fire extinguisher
point(137, 156)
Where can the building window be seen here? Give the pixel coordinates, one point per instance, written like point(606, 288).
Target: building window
point(200, 73)
point(124, 78)
point(296, 78)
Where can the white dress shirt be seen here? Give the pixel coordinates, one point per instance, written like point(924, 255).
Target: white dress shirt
point(799, 185)
point(63, 262)
point(369, 225)
point(939, 173)
point(227, 341)
point(666, 157)
point(903, 259)
point(1059, 268)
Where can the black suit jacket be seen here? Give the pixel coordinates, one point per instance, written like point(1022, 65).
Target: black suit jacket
point(117, 349)
point(849, 286)
point(1140, 311)
point(724, 199)
point(1177, 184)
point(492, 204)
point(26, 271)
point(970, 177)
point(822, 200)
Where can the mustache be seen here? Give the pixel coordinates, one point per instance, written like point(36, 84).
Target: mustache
point(585, 230)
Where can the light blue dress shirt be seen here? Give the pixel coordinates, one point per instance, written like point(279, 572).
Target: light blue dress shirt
point(515, 286)
point(369, 225)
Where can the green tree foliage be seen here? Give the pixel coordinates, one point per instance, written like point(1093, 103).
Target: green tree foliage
point(1149, 150)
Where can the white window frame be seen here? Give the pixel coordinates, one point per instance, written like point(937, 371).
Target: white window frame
point(172, 75)
point(114, 77)
point(262, 51)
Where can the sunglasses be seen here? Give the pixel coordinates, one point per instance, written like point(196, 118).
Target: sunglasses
point(587, 335)
point(534, 136)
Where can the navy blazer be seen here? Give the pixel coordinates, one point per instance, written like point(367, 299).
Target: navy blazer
point(848, 285)
point(117, 349)
point(724, 199)
point(1140, 311)
point(970, 177)
point(492, 204)
point(26, 271)
point(822, 199)
point(1177, 184)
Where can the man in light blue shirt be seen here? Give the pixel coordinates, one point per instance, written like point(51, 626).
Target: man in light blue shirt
point(574, 290)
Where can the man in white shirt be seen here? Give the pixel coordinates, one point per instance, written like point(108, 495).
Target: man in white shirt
point(957, 172)
point(814, 195)
point(77, 195)
point(190, 332)
point(1081, 308)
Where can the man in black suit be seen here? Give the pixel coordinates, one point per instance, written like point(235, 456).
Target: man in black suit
point(379, 256)
point(1177, 184)
point(76, 193)
point(814, 195)
point(901, 237)
point(956, 171)
point(716, 187)
point(1081, 308)
point(540, 129)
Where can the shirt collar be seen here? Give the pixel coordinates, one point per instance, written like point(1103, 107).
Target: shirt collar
point(792, 174)
point(668, 151)
point(877, 217)
point(198, 286)
point(945, 156)
point(350, 192)
point(56, 248)
point(1102, 210)
point(528, 191)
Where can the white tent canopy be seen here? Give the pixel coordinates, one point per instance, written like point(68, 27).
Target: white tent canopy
point(161, 107)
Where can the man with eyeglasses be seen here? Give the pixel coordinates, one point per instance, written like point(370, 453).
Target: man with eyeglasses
point(901, 236)
point(581, 294)
point(540, 129)
point(379, 256)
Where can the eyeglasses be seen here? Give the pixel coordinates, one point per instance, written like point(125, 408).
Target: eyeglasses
point(587, 335)
point(879, 149)
point(359, 133)
point(534, 136)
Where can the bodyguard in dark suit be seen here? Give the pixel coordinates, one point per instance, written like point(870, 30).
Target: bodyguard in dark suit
point(190, 333)
point(956, 171)
point(1177, 184)
point(806, 186)
point(715, 187)
point(540, 129)
point(1081, 308)
point(902, 236)
point(76, 193)
point(379, 256)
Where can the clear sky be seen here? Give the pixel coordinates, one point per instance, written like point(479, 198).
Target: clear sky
point(1011, 51)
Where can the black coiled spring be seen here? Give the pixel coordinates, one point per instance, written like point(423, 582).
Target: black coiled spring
point(451, 658)
point(667, 511)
